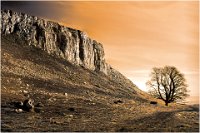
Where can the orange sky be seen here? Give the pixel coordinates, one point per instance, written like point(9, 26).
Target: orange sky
point(136, 35)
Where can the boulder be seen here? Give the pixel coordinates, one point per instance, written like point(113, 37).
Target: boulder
point(66, 94)
point(18, 105)
point(71, 109)
point(153, 102)
point(28, 105)
point(118, 101)
point(18, 110)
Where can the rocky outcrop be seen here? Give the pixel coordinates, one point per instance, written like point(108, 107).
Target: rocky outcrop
point(71, 44)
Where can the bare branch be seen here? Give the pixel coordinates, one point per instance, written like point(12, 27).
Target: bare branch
point(168, 83)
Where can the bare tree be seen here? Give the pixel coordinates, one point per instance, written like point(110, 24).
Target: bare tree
point(167, 84)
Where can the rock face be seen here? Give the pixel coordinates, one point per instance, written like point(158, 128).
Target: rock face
point(71, 44)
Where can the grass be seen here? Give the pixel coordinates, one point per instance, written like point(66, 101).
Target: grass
point(46, 79)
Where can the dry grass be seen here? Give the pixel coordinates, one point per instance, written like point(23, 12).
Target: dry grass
point(27, 71)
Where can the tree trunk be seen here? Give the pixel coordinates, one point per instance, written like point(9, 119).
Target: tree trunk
point(166, 103)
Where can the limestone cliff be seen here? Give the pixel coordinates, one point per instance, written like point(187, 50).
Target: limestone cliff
point(71, 44)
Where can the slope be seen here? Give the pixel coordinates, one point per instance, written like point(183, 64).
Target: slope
point(75, 98)
point(30, 72)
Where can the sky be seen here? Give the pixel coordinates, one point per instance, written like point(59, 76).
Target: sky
point(136, 36)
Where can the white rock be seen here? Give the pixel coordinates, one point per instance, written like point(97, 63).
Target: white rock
point(18, 110)
point(25, 92)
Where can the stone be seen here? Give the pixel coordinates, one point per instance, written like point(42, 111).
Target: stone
point(153, 102)
point(18, 110)
point(71, 116)
point(18, 104)
point(65, 94)
point(118, 101)
point(71, 109)
point(25, 92)
point(28, 105)
point(122, 129)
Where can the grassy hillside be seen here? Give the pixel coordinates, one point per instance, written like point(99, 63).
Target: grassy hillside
point(76, 99)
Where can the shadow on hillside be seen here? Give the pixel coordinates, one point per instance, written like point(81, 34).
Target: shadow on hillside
point(159, 121)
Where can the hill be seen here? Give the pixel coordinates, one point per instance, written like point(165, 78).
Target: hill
point(82, 93)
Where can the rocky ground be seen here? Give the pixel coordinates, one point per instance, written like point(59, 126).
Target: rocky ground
point(71, 98)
